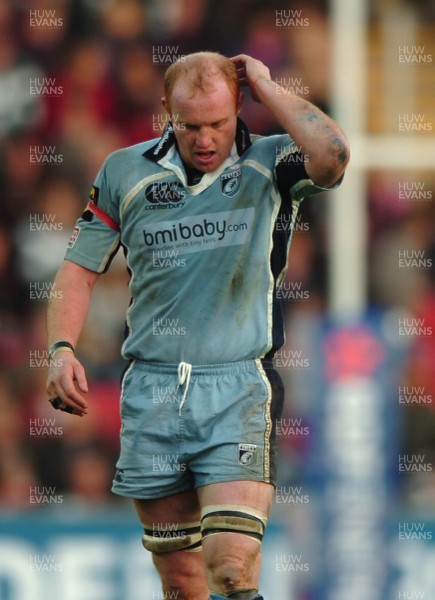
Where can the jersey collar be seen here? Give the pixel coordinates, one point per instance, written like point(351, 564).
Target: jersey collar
point(167, 143)
point(166, 154)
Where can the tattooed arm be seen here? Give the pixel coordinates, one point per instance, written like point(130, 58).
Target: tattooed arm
point(317, 135)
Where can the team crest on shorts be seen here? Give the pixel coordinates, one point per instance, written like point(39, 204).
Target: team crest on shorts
point(230, 182)
point(119, 476)
point(247, 454)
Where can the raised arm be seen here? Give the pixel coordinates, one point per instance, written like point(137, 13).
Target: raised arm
point(317, 135)
point(65, 318)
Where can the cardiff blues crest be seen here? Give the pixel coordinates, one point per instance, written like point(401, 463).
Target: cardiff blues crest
point(230, 182)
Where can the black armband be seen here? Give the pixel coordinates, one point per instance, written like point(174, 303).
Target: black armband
point(56, 347)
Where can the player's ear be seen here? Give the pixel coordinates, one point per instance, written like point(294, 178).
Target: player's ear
point(240, 101)
point(165, 104)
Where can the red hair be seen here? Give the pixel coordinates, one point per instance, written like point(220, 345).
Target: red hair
point(200, 70)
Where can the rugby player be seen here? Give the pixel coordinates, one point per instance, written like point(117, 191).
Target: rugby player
point(196, 214)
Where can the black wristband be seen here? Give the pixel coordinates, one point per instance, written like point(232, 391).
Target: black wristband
point(57, 345)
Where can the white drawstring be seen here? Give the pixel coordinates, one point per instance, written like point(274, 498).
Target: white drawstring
point(184, 373)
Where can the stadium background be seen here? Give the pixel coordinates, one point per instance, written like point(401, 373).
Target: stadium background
point(355, 510)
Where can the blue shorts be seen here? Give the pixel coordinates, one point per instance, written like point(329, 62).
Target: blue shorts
point(187, 426)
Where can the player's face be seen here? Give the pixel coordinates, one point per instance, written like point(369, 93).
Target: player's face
point(204, 124)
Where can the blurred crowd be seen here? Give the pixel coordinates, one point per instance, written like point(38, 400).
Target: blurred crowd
point(82, 78)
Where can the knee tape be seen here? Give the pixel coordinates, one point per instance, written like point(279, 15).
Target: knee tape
point(231, 518)
point(185, 536)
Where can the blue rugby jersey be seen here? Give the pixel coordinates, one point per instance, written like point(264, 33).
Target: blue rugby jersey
point(205, 260)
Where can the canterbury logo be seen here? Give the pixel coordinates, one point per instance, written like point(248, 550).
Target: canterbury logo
point(170, 192)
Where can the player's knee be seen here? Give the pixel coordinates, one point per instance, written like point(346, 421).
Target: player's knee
point(181, 574)
point(231, 569)
point(231, 563)
point(231, 541)
point(180, 589)
point(176, 585)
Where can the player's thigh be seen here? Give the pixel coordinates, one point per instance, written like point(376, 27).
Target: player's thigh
point(255, 494)
point(176, 508)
